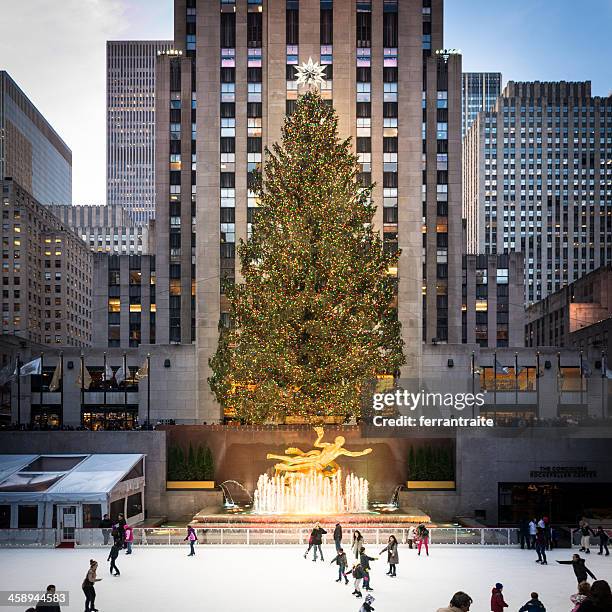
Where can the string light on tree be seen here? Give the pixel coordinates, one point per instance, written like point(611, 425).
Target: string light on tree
point(313, 321)
point(310, 74)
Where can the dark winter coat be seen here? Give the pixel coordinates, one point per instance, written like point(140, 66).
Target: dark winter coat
point(588, 605)
point(364, 561)
point(357, 571)
point(497, 601)
point(340, 559)
point(604, 538)
point(316, 536)
point(586, 530)
point(392, 553)
point(45, 607)
point(106, 524)
point(338, 534)
point(580, 569)
point(533, 605)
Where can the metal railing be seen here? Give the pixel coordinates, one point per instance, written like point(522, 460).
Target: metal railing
point(256, 536)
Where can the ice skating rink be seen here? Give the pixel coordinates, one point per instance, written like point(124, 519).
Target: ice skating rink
point(266, 578)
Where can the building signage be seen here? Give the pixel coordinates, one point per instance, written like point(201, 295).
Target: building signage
point(563, 471)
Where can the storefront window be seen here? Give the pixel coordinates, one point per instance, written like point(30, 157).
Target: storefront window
point(134, 504)
point(92, 515)
point(28, 517)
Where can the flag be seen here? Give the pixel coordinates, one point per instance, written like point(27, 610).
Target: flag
point(586, 369)
point(143, 370)
point(7, 373)
point(32, 367)
point(57, 377)
point(108, 373)
point(500, 369)
point(120, 375)
point(85, 382)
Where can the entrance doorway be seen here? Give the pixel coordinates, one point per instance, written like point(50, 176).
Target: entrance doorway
point(67, 523)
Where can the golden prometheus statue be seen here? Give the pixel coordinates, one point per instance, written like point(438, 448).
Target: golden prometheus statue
point(315, 460)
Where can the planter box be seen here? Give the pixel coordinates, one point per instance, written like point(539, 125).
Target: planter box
point(185, 485)
point(431, 485)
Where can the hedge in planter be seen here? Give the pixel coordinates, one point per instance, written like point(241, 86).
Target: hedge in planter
point(431, 463)
point(196, 464)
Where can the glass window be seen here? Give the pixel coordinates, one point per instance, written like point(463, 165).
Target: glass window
point(134, 505)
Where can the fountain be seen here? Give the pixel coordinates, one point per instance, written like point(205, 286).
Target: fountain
point(310, 493)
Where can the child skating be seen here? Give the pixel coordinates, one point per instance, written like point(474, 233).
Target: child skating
point(358, 575)
point(341, 562)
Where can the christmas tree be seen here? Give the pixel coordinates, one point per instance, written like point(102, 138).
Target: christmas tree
point(313, 320)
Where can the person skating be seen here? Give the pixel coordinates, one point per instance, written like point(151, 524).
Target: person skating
point(342, 563)
point(315, 541)
point(604, 538)
point(192, 538)
point(106, 526)
point(584, 588)
point(585, 536)
point(88, 586)
point(392, 555)
point(364, 560)
point(112, 557)
point(338, 536)
point(121, 523)
point(533, 605)
point(540, 546)
point(411, 537)
point(49, 606)
point(580, 569)
point(497, 598)
point(367, 604)
point(460, 602)
point(599, 598)
point(129, 538)
point(423, 538)
point(533, 525)
point(358, 574)
point(357, 543)
point(524, 534)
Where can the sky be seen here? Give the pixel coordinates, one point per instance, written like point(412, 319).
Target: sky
point(55, 50)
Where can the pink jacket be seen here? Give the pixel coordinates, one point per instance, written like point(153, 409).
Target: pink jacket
point(129, 533)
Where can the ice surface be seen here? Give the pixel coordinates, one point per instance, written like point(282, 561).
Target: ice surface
point(277, 578)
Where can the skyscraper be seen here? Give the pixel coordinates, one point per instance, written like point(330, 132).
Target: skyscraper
point(479, 91)
point(31, 152)
point(221, 98)
point(130, 125)
point(536, 180)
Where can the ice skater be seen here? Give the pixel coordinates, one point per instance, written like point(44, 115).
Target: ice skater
point(392, 555)
point(411, 537)
point(315, 540)
point(533, 605)
point(604, 538)
point(540, 546)
point(358, 574)
point(338, 536)
point(585, 536)
point(357, 543)
point(88, 586)
point(367, 604)
point(129, 538)
point(584, 588)
point(106, 525)
point(192, 538)
point(533, 525)
point(498, 602)
point(599, 598)
point(364, 561)
point(580, 569)
point(460, 602)
point(423, 538)
point(342, 563)
point(112, 557)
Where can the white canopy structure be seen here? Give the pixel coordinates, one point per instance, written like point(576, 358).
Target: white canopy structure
point(41, 489)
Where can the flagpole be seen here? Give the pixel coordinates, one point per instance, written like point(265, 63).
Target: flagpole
point(42, 363)
point(61, 383)
point(82, 385)
point(537, 384)
point(473, 374)
point(148, 390)
point(603, 383)
point(18, 391)
point(559, 385)
point(495, 379)
point(105, 381)
point(516, 378)
point(581, 381)
point(125, 377)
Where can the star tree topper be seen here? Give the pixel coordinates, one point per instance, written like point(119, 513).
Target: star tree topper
point(310, 73)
